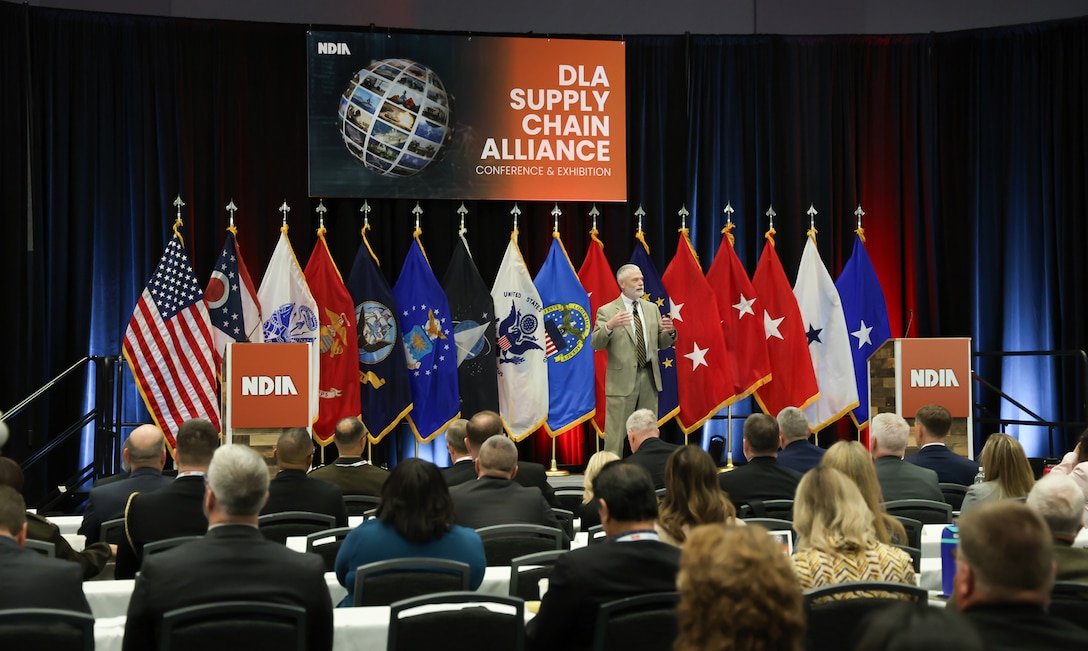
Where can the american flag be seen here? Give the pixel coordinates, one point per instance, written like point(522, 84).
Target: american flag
point(168, 345)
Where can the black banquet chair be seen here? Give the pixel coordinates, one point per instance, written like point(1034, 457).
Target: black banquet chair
point(43, 547)
point(925, 511)
point(781, 509)
point(278, 527)
point(527, 571)
point(645, 622)
point(112, 531)
point(914, 531)
point(360, 504)
point(46, 628)
point(505, 542)
point(234, 625)
point(383, 582)
point(457, 621)
point(326, 544)
point(832, 621)
point(570, 497)
point(953, 494)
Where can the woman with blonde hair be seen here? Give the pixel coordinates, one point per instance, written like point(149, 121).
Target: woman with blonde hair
point(1008, 473)
point(589, 517)
point(692, 495)
point(737, 591)
point(836, 536)
point(853, 460)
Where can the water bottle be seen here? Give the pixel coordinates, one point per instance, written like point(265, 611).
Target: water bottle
point(950, 539)
point(980, 476)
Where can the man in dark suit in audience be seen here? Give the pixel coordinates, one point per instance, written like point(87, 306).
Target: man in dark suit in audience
point(647, 448)
point(631, 562)
point(462, 466)
point(931, 426)
point(761, 478)
point(798, 452)
point(232, 562)
point(899, 480)
point(145, 452)
point(352, 474)
point(483, 426)
point(178, 509)
point(292, 489)
point(29, 579)
point(1060, 502)
point(1004, 574)
point(494, 498)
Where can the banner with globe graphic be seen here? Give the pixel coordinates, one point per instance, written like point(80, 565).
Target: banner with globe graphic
point(432, 116)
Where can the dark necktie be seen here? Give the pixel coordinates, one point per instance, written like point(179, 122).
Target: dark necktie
point(640, 337)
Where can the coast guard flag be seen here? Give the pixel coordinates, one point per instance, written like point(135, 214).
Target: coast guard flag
point(793, 384)
point(473, 314)
point(567, 324)
point(429, 346)
point(232, 301)
point(828, 340)
point(600, 284)
point(704, 377)
point(668, 402)
point(338, 395)
point(522, 368)
point(168, 345)
point(384, 391)
point(290, 311)
point(866, 319)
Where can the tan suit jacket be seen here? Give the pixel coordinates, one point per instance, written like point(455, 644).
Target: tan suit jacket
point(622, 366)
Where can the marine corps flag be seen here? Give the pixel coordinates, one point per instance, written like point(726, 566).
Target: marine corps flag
point(567, 324)
point(232, 299)
point(385, 396)
point(429, 345)
point(600, 284)
point(473, 314)
point(703, 374)
point(339, 377)
point(668, 401)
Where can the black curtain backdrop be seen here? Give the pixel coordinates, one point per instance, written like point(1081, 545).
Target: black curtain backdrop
point(967, 151)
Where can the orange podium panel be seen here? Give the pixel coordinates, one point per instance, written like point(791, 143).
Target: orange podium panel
point(268, 385)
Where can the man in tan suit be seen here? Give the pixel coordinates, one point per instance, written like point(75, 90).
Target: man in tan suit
point(632, 330)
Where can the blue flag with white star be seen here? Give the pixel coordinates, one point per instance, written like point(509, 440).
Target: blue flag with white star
point(866, 320)
point(668, 401)
point(430, 349)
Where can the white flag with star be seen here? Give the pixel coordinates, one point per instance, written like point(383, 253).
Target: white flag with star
point(828, 340)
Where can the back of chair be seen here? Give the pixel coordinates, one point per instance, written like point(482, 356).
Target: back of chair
point(1069, 601)
point(278, 527)
point(46, 628)
point(661, 493)
point(646, 622)
point(925, 511)
point(781, 509)
point(234, 625)
point(566, 520)
point(326, 544)
point(833, 611)
point(112, 531)
point(914, 530)
point(384, 582)
point(527, 571)
point(457, 621)
point(915, 556)
point(360, 504)
point(570, 497)
point(596, 535)
point(43, 547)
point(505, 542)
point(953, 494)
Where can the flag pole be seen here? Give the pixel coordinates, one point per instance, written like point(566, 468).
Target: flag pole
point(594, 213)
point(683, 214)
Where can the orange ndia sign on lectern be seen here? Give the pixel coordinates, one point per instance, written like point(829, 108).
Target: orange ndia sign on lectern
point(269, 385)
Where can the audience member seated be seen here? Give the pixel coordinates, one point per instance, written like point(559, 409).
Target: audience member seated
point(29, 579)
point(762, 478)
point(178, 509)
point(1004, 573)
point(494, 498)
point(1060, 502)
point(145, 453)
point(232, 562)
point(93, 557)
point(647, 448)
point(461, 468)
point(692, 496)
point(836, 539)
point(481, 427)
point(1008, 473)
point(917, 627)
point(351, 473)
point(931, 426)
point(853, 460)
point(292, 489)
point(737, 591)
point(415, 518)
point(1075, 464)
point(588, 514)
point(798, 452)
point(888, 434)
point(631, 562)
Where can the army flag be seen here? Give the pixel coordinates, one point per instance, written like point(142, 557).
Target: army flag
point(600, 285)
point(339, 347)
point(668, 400)
point(232, 301)
point(567, 324)
point(429, 346)
point(473, 314)
point(522, 368)
point(384, 392)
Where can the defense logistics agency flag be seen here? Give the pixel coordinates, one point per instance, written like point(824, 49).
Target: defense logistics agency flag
point(232, 301)
point(473, 314)
point(290, 311)
point(668, 402)
point(339, 378)
point(523, 371)
point(429, 346)
point(866, 319)
point(385, 394)
point(600, 284)
point(703, 374)
point(567, 324)
point(828, 341)
point(168, 345)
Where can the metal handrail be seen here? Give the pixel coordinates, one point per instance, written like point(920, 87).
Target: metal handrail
point(8, 414)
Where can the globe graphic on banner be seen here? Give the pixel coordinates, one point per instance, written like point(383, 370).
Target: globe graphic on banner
point(396, 117)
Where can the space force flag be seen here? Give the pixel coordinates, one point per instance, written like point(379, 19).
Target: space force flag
point(473, 314)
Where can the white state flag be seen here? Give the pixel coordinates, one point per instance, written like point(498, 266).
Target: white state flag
point(828, 340)
point(289, 309)
point(522, 367)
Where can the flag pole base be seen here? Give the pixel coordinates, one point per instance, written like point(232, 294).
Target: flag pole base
point(554, 471)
